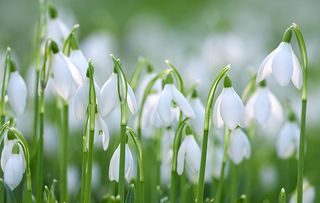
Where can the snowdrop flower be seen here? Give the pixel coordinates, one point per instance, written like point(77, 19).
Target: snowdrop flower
point(199, 110)
point(66, 76)
point(239, 147)
point(17, 92)
point(149, 109)
point(283, 64)
point(110, 99)
point(80, 61)
point(13, 163)
point(309, 193)
point(189, 152)
point(228, 108)
point(56, 29)
point(143, 84)
point(262, 106)
point(101, 132)
point(165, 111)
point(114, 165)
point(288, 140)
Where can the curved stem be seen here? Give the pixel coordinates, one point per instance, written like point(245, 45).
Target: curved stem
point(209, 104)
point(142, 63)
point(303, 53)
point(178, 76)
point(3, 86)
point(174, 174)
point(224, 163)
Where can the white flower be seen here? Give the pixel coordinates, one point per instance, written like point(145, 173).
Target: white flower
point(114, 165)
point(143, 84)
point(165, 110)
point(228, 109)
point(101, 131)
point(199, 110)
point(78, 59)
point(189, 152)
point(57, 30)
point(66, 76)
point(17, 92)
point(239, 147)
point(147, 124)
point(262, 106)
point(110, 99)
point(166, 155)
point(80, 99)
point(13, 164)
point(309, 193)
point(283, 64)
point(288, 140)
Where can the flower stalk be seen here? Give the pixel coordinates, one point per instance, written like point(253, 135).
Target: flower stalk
point(208, 108)
point(92, 111)
point(303, 52)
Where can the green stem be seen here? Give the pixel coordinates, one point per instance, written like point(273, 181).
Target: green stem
point(207, 118)
point(303, 53)
point(89, 161)
point(142, 63)
point(234, 183)
point(40, 151)
point(84, 160)
point(224, 163)
point(174, 174)
point(64, 153)
point(123, 127)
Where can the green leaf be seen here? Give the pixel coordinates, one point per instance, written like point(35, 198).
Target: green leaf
point(130, 195)
point(9, 192)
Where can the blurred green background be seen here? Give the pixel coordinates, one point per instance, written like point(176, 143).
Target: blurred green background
point(198, 37)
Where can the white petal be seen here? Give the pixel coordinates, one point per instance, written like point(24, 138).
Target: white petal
point(17, 92)
point(109, 95)
point(193, 155)
point(131, 99)
point(80, 62)
point(282, 67)
point(199, 110)
point(129, 164)
point(182, 102)
point(164, 105)
point(265, 68)
point(114, 165)
point(75, 72)
point(250, 108)
point(217, 119)
point(103, 131)
point(57, 30)
point(181, 156)
point(6, 151)
point(231, 108)
point(80, 100)
point(239, 147)
point(287, 141)
point(297, 71)
point(13, 171)
point(63, 82)
point(276, 108)
point(262, 107)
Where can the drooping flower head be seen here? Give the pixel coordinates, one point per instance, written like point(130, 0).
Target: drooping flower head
point(13, 162)
point(114, 165)
point(283, 64)
point(198, 121)
point(228, 109)
point(239, 146)
point(289, 138)
point(263, 106)
point(170, 95)
point(189, 153)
